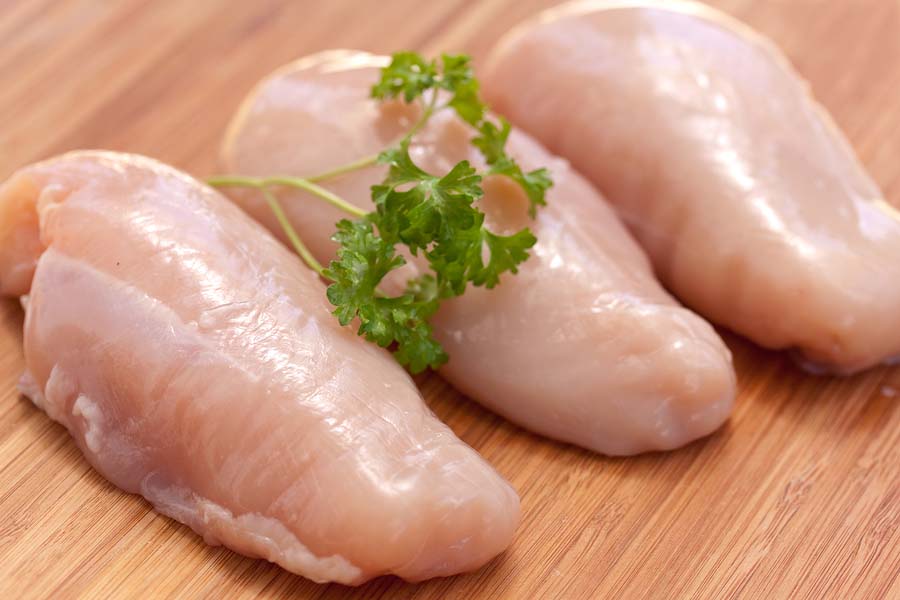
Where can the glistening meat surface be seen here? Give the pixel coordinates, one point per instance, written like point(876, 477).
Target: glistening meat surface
point(195, 361)
point(582, 345)
point(749, 201)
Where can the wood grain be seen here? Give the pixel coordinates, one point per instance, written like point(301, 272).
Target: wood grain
point(798, 496)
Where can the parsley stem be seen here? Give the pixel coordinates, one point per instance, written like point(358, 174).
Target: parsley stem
point(367, 161)
point(427, 111)
point(312, 188)
point(362, 163)
point(290, 232)
point(233, 181)
point(287, 181)
point(263, 184)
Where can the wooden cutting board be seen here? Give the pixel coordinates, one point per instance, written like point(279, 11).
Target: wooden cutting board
point(798, 496)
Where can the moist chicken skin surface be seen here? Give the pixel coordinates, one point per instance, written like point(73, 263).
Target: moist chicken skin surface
point(749, 201)
point(582, 345)
point(195, 361)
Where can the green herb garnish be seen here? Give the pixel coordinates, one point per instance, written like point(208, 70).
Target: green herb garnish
point(432, 215)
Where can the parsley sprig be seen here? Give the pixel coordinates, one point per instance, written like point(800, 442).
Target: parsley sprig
point(433, 215)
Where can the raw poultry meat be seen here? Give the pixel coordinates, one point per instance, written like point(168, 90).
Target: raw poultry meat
point(751, 204)
point(582, 345)
point(195, 362)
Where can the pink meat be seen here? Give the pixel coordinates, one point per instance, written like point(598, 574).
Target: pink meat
point(749, 201)
point(195, 362)
point(583, 345)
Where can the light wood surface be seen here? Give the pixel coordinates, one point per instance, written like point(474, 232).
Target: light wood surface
point(798, 496)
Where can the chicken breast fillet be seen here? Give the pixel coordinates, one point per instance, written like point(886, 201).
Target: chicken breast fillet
point(582, 345)
point(195, 362)
point(749, 201)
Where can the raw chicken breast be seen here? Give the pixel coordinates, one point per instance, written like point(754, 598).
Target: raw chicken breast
point(750, 202)
point(195, 362)
point(583, 345)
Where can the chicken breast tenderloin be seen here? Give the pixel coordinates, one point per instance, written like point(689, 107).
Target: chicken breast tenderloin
point(750, 202)
point(583, 345)
point(195, 362)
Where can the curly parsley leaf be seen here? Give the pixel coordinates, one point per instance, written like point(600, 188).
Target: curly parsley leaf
point(434, 216)
point(491, 141)
point(535, 183)
point(363, 260)
point(427, 207)
point(458, 79)
point(408, 75)
point(507, 252)
point(438, 215)
point(456, 72)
